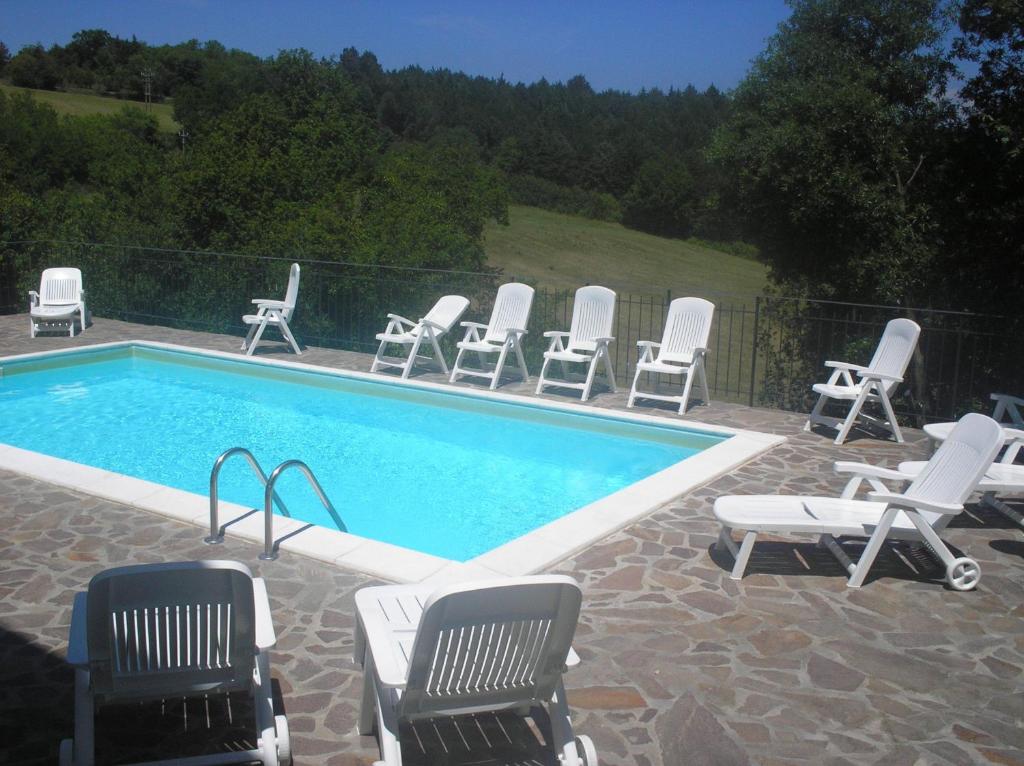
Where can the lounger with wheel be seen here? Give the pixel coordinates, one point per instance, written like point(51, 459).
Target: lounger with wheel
point(493, 645)
point(918, 513)
point(271, 313)
point(411, 335)
point(149, 633)
point(590, 333)
point(876, 383)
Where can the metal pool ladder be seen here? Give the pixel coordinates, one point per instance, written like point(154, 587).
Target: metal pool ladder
point(269, 498)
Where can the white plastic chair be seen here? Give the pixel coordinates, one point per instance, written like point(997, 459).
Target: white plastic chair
point(435, 325)
point(593, 314)
point(60, 301)
point(153, 632)
point(682, 351)
point(492, 645)
point(1007, 406)
point(274, 314)
point(919, 513)
point(503, 333)
point(877, 382)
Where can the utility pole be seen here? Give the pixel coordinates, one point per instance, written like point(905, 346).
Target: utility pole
point(147, 78)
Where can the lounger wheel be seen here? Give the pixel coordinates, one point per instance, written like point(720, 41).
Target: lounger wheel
point(65, 756)
point(963, 573)
point(586, 751)
point(284, 742)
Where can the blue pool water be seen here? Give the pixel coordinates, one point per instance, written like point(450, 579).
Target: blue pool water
point(445, 474)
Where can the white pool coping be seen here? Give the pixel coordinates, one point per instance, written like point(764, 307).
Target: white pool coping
point(532, 552)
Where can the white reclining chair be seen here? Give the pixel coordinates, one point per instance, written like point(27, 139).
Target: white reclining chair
point(503, 333)
point(682, 351)
point(401, 331)
point(493, 645)
point(273, 314)
point(919, 513)
point(593, 314)
point(877, 382)
point(59, 302)
point(1007, 406)
point(155, 632)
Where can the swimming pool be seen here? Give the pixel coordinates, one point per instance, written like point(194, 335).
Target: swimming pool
point(454, 475)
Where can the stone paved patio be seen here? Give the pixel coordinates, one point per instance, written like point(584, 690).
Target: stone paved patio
point(680, 663)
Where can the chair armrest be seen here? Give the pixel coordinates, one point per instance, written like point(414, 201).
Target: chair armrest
point(1014, 439)
point(33, 298)
point(871, 374)
point(477, 325)
point(265, 635)
point(915, 503)
point(556, 334)
point(433, 325)
point(1008, 398)
point(647, 344)
point(604, 340)
point(78, 646)
point(400, 318)
point(869, 471)
point(269, 303)
point(845, 366)
point(514, 331)
point(379, 636)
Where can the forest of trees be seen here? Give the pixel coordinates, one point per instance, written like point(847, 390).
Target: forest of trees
point(873, 152)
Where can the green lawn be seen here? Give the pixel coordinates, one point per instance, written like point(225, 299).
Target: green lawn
point(563, 252)
point(83, 103)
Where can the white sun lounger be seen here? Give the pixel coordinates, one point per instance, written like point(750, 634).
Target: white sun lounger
point(166, 631)
point(503, 333)
point(682, 351)
point(271, 313)
point(404, 332)
point(593, 314)
point(877, 382)
point(59, 302)
point(919, 513)
point(1006, 410)
point(493, 645)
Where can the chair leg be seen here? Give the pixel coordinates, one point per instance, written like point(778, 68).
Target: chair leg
point(686, 390)
point(632, 391)
point(256, 338)
point(84, 746)
point(249, 336)
point(867, 557)
point(287, 333)
point(563, 740)
point(387, 729)
point(815, 415)
point(456, 366)
point(499, 366)
point(263, 699)
point(368, 704)
point(591, 370)
point(378, 356)
point(889, 413)
point(438, 354)
point(746, 548)
point(411, 360)
point(851, 418)
point(543, 373)
point(609, 371)
point(522, 361)
point(704, 381)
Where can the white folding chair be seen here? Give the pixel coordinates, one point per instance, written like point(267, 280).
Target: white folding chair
point(432, 327)
point(59, 302)
point(503, 333)
point(877, 382)
point(593, 314)
point(271, 313)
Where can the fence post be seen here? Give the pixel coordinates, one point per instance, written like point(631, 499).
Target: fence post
point(753, 356)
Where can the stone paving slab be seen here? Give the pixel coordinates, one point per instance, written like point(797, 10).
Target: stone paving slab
point(680, 663)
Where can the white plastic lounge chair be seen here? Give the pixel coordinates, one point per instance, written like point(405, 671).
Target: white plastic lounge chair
point(1006, 407)
point(877, 381)
point(593, 313)
point(1003, 477)
point(919, 513)
point(155, 632)
point(274, 314)
point(492, 645)
point(436, 324)
point(682, 350)
point(503, 333)
point(59, 302)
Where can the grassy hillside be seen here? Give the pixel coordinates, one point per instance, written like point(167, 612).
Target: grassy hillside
point(84, 103)
point(563, 252)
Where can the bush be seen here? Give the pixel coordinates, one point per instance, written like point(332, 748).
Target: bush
point(539, 192)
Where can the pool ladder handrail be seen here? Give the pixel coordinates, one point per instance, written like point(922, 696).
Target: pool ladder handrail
point(270, 496)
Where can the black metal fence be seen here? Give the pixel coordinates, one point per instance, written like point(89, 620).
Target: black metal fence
point(764, 351)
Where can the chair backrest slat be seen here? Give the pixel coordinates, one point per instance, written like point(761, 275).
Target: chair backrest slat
point(511, 310)
point(593, 315)
point(60, 287)
point(687, 327)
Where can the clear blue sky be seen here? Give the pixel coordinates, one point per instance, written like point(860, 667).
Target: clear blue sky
point(622, 44)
